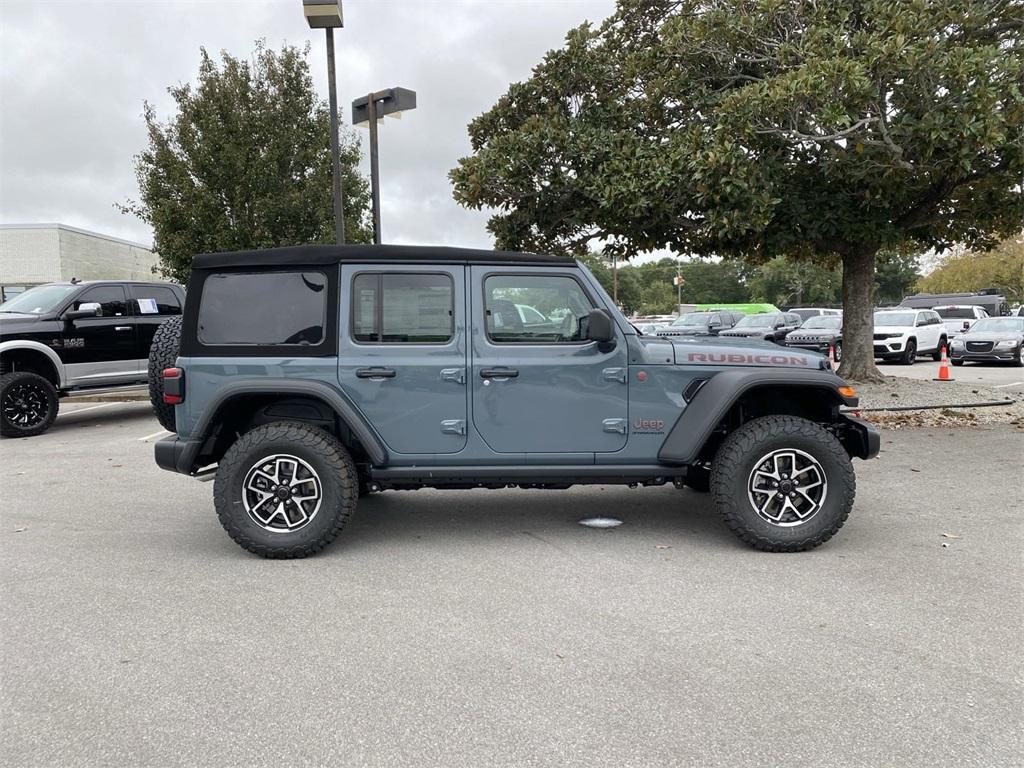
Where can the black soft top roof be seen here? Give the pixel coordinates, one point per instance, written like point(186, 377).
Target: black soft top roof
point(312, 255)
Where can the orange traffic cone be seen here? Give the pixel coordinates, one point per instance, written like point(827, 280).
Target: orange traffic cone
point(832, 356)
point(943, 367)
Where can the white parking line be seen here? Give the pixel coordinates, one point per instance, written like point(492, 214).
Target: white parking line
point(89, 408)
point(1011, 384)
point(155, 434)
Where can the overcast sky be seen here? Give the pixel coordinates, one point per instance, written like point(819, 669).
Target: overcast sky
point(74, 75)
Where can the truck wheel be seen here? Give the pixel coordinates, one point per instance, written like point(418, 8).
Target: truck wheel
point(783, 484)
point(163, 353)
point(837, 350)
point(285, 489)
point(28, 404)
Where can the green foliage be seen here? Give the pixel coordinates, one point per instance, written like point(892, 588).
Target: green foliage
point(245, 163)
point(763, 128)
point(787, 282)
point(1003, 268)
point(895, 276)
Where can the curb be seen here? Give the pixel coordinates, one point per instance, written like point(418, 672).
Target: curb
point(984, 404)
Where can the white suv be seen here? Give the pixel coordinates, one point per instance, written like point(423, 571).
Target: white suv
point(903, 334)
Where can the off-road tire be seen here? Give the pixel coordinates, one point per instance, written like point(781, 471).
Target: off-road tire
point(9, 384)
point(937, 354)
point(909, 356)
point(333, 464)
point(163, 353)
point(735, 460)
point(956, 362)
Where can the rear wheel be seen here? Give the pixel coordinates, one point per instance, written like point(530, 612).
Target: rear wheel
point(163, 353)
point(285, 490)
point(28, 404)
point(783, 484)
point(837, 350)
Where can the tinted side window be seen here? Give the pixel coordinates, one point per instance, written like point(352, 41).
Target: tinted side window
point(793, 319)
point(263, 308)
point(155, 300)
point(402, 308)
point(528, 309)
point(109, 297)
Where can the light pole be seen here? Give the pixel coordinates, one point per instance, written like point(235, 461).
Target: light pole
point(369, 109)
point(326, 15)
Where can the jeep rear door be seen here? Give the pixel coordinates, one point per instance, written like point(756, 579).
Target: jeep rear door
point(402, 353)
point(541, 387)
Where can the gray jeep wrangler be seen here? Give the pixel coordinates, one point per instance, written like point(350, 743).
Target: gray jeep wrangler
point(307, 377)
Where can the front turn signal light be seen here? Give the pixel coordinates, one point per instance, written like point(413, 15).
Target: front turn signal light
point(847, 391)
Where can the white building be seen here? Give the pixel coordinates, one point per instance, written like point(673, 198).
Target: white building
point(31, 254)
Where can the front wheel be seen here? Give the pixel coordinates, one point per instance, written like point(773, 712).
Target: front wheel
point(783, 484)
point(285, 490)
point(910, 353)
point(28, 404)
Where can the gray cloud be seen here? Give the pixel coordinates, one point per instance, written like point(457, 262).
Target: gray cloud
point(75, 74)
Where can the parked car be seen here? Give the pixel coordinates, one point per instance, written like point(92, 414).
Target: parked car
point(990, 339)
point(818, 334)
point(903, 334)
point(311, 376)
point(805, 313)
point(771, 326)
point(701, 324)
point(61, 339)
point(959, 317)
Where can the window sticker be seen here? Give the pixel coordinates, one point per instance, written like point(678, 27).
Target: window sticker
point(148, 306)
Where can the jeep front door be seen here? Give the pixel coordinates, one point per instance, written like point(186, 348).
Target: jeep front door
point(539, 386)
point(402, 353)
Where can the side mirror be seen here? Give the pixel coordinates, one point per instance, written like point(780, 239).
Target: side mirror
point(88, 309)
point(599, 326)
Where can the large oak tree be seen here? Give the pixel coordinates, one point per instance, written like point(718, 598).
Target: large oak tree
point(245, 162)
point(759, 128)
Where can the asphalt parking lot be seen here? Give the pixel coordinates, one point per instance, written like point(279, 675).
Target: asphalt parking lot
point(476, 628)
point(1001, 376)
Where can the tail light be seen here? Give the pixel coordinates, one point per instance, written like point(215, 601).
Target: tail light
point(174, 385)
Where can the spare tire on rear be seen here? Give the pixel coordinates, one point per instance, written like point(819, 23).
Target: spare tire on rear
point(163, 353)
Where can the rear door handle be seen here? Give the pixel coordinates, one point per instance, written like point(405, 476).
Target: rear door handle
point(375, 373)
point(498, 373)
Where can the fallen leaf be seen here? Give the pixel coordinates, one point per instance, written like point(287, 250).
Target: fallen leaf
point(914, 470)
point(121, 465)
point(19, 530)
point(663, 546)
point(951, 536)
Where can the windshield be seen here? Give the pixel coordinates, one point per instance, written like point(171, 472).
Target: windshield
point(756, 321)
point(955, 313)
point(691, 320)
point(886, 319)
point(39, 300)
point(825, 321)
point(998, 325)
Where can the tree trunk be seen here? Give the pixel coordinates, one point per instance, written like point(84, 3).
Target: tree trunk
point(858, 317)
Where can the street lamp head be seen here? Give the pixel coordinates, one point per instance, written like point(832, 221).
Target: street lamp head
point(391, 102)
point(322, 14)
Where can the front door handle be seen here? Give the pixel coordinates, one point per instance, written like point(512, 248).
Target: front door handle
point(498, 373)
point(375, 373)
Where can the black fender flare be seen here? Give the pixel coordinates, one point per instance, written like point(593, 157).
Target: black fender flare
point(337, 401)
point(712, 402)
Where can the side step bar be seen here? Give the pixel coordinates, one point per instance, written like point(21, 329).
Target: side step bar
point(519, 474)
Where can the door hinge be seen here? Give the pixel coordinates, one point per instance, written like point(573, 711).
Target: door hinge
point(615, 425)
point(453, 426)
point(614, 374)
point(458, 375)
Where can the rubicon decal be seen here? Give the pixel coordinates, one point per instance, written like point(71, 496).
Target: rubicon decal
point(733, 358)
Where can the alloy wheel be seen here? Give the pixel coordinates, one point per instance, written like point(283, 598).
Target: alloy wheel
point(787, 487)
point(25, 405)
point(282, 493)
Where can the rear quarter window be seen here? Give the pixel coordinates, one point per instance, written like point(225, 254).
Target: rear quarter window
point(265, 308)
